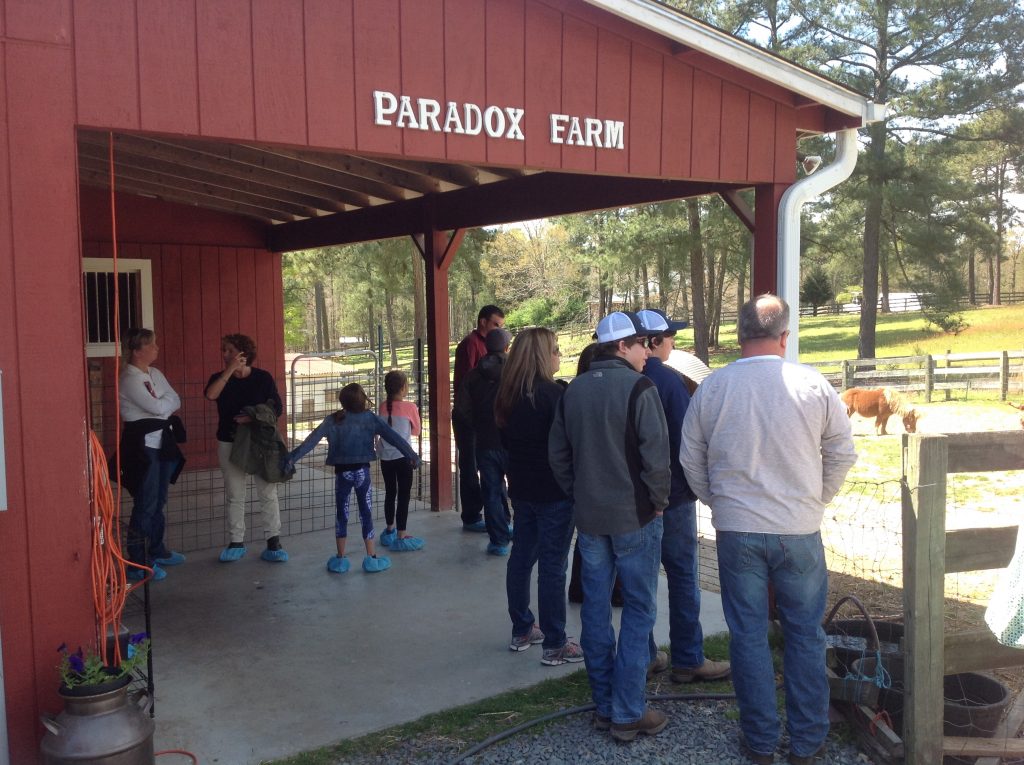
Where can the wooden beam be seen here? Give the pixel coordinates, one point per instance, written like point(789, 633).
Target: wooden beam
point(457, 175)
point(986, 451)
point(964, 746)
point(924, 550)
point(1008, 728)
point(437, 248)
point(517, 199)
point(977, 650)
point(739, 206)
point(765, 265)
point(184, 155)
point(980, 549)
point(201, 175)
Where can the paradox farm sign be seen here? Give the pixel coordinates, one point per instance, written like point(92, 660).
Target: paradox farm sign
point(496, 121)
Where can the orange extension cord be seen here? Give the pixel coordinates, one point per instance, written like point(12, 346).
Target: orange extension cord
point(110, 588)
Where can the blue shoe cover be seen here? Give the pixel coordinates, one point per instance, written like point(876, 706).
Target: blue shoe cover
point(229, 554)
point(407, 544)
point(338, 565)
point(138, 574)
point(173, 559)
point(372, 565)
point(388, 537)
point(274, 556)
point(479, 526)
point(493, 549)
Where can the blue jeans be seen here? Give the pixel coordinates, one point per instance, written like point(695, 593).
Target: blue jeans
point(618, 673)
point(493, 464)
point(344, 483)
point(795, 565)
point(542, 535)
point(469, 480)
point(147, 522)
point(679, 557)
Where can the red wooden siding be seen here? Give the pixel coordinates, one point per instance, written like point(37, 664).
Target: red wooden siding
point(40, 353)
point(304, 74)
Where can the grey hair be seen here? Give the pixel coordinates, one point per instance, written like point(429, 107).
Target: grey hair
point(764, 316)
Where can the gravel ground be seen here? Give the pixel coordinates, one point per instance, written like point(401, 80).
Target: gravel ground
point(698, 733)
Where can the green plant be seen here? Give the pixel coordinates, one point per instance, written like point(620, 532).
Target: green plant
point(80, 669)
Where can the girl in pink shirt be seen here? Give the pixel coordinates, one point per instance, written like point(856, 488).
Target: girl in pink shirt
point(403, 417)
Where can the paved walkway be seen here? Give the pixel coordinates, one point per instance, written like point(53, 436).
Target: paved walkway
point(255, 661)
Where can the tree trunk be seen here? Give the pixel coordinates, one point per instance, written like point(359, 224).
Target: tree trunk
point(389, 318)
point(872, 239)
point(972, 287)
point(419, 294)
point(371, 330)
point(700, 320)
point(883, 262)
point(664, 280)
point(646, 284)
point(320, 317)
point(997, 277)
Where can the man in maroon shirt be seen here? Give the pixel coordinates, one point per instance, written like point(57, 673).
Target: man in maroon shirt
point(467, 354)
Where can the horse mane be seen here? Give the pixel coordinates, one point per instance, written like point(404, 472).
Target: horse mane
point(897, 404)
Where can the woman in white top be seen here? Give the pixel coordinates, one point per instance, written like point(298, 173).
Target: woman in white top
point(150, 458)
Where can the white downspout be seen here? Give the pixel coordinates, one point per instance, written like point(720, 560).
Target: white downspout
point(792, 203)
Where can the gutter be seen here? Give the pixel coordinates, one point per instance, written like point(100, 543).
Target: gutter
point(790, 206)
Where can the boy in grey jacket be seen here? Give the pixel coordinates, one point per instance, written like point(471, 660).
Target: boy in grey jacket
point(609, 451)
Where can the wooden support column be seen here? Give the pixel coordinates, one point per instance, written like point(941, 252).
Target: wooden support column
point(765, 265)
point(438, 248)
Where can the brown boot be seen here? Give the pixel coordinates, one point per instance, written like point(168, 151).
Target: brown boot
point(651, 724)
point(709, 670)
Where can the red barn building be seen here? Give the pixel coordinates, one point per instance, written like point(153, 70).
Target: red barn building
point(234, 130)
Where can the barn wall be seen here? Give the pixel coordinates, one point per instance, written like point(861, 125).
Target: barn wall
point(304, 74)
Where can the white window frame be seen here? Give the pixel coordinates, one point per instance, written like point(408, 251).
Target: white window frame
point(144, 269)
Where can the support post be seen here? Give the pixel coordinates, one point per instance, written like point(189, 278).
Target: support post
point(438, 248)
point(925, 459)
point(764, 268)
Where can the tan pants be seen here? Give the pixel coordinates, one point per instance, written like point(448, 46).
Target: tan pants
point(234, 496)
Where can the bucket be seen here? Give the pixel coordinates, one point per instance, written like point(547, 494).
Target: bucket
point(973, 703)
point(100, 725)
point(850, 639)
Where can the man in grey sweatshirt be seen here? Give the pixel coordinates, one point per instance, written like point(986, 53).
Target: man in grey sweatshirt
point(766, 444)
point(608, 450)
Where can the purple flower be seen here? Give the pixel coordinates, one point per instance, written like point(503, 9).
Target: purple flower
point(137, 638)
point(76, 663)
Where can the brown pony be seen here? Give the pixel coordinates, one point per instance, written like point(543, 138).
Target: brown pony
point(1021, 408)
point(880, 403)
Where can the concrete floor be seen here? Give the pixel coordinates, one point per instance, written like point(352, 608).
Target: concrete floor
point(255, 661)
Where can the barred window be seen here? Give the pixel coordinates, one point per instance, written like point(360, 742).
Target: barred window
point(135, 287)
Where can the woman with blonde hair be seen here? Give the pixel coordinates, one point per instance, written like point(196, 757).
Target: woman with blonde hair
point(524, 409)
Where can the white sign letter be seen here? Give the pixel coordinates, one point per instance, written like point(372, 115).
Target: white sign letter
point(452, 121)
point(429, 109)
point(379, 110)
point(494, 122)
point(474, 119)
point(575, 137)
point(613, 130)
point(406, 115)
point(593, 130)
point(558, 127)
point(514, 117)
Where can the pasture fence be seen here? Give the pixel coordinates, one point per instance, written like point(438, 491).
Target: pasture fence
point(1001, 371)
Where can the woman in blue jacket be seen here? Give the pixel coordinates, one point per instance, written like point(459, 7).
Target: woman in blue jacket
point(350, 435)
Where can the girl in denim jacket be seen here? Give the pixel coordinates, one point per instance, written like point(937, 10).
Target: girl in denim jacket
point(350, 435)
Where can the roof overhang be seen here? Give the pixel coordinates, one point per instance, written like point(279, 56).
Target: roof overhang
point(688, 31)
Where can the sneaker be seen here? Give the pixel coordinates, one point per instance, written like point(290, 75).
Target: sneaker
point(171, 559)
point(388, 537)
point(493, 549)
point(274, 556)
point(758, 758)
point(232, 553)
point(601, 722)
point(811, 759)
point(570, 653)
point(658, 664)
point(709, 670)
point(338, 565)
point(139, 574)
point(522, 642)
point(651, 724)
point(373, 564)
point(478, 527)
point(407, 544)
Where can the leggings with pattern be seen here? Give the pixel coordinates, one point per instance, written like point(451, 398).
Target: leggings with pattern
point(344, 483)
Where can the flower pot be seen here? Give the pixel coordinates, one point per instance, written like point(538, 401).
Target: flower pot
point(100, 725)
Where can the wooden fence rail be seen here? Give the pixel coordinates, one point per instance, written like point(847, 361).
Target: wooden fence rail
point(929, 552)
point(995, 370)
